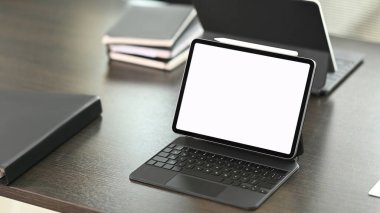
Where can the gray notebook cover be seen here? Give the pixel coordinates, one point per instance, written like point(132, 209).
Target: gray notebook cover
point(33, 124)
point(156, 25)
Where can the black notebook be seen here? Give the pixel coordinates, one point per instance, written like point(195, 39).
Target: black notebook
point(33, 124)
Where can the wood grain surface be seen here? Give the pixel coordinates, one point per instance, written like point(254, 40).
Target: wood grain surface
point(54, 45)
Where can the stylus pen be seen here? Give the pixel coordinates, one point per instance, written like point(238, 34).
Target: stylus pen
point(257, 46)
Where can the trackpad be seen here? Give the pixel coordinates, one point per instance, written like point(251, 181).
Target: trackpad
point(190, 184)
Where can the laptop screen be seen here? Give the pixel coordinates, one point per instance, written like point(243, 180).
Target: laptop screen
point(245, 98)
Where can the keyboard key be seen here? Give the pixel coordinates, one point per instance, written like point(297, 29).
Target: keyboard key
point(167, 150)
point(225, 175)
point(178, 147)
point(226, 169)
point(255, 188)
point(173, 157)
point(202, 158)
point(256, 171)
point(255, 176)
point(205, 154)
point(181, 164)
point(163, 154)
point(199, 163)
point(245, 174)
point(159, 164)
point(198, 168)
point(171, 145)
point(244, 179)
point(219, 163)
point(216, 173)
point(189, 166)
point(278, 177)
point(202, 175)
point(207, 170)
point(176, 168)
point(217, 167)
point(161, 159)
point(184, 154)
point(246, 186)
point(254, 182)
point(168, 166)
point(151, 162)
point(266, 179)
point(171, 162)
point(175, 152)
point(267, 174)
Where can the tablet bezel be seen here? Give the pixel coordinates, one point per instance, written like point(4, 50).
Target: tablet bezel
point(301, 115)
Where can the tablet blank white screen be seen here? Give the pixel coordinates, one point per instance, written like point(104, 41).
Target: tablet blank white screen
point(243, 97)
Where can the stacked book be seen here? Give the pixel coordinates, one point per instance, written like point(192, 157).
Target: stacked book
point(155, 35)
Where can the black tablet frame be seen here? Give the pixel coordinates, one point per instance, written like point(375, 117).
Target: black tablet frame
point(235, 144)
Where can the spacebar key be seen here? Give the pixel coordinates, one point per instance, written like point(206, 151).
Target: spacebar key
point(202, 175)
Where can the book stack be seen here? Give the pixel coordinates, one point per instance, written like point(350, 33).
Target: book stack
point(155, 35)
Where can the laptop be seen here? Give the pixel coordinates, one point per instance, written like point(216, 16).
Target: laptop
point(240, 112)
point(290, 24)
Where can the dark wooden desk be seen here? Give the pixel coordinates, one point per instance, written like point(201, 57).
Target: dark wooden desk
point(55, 46)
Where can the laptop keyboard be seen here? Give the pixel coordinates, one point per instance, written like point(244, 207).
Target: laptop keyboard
point(218, 168)
point(333, 78)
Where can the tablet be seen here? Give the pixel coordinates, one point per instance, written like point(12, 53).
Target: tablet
point(245, 98)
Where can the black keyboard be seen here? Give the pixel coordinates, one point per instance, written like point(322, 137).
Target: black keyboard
point(344, 68)
point(217, 168)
